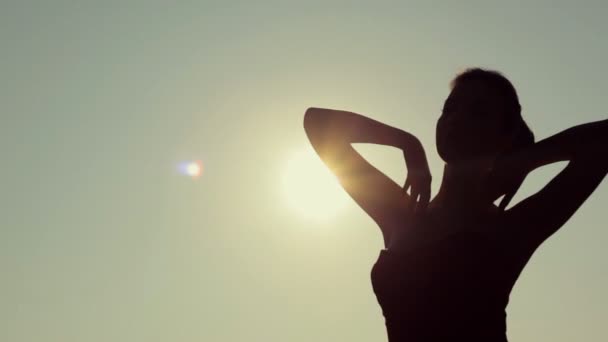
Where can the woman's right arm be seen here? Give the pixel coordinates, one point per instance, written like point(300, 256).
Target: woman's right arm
point(575, 143)
point(537, 217)
point(331, 133)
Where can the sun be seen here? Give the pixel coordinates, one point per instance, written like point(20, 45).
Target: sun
point(310, 188)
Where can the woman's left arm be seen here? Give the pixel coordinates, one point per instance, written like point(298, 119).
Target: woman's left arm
point(331, 133)
point(537, 217)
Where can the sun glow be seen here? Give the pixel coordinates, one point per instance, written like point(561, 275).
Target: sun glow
point(310, 188)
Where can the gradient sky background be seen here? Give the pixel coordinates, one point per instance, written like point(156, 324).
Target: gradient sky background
point(102, 240)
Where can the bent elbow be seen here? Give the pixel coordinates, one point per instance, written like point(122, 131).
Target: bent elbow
point(311, 119)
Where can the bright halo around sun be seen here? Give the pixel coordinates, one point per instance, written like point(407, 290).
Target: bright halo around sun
point(310, 188)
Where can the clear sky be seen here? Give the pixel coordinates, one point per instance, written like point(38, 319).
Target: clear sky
point(101, 239)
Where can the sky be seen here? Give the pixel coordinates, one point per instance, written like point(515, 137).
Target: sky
point(102, 239)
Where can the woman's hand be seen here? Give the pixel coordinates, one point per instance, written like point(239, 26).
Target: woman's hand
point(418, 177)
point(505, 177)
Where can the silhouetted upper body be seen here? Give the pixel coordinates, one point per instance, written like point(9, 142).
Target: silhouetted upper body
point(453, 288)
point(449, 264)
point(465, 301)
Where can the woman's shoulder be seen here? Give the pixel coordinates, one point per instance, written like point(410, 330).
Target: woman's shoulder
point(439, 229)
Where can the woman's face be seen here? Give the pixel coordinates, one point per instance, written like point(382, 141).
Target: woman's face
point(471, 123)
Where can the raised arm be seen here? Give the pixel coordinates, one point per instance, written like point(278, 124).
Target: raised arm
point(331, 133)
point(533, 220)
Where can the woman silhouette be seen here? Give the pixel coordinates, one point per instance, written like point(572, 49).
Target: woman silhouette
point(449, 265)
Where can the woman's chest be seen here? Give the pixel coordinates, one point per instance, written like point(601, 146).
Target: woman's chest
point(428, 230)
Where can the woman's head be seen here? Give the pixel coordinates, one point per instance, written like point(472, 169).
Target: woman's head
point(481, 118)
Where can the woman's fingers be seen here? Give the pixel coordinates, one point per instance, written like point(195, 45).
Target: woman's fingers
point(425, 197)
point(413, 200)
point(509, 196)
point(505, 201)
point(420, 193)
point(493, 189)
point(406, 185)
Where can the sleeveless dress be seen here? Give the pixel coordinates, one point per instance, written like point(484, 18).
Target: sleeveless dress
point(453, 289)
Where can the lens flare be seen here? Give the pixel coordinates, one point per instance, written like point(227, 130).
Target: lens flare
point(193, 169)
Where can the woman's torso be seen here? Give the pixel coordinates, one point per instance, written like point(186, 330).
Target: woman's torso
point(446, 279)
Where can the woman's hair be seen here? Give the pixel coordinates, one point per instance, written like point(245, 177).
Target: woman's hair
point(514, 122)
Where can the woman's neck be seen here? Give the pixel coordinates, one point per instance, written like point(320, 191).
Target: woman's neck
point(461, 187)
